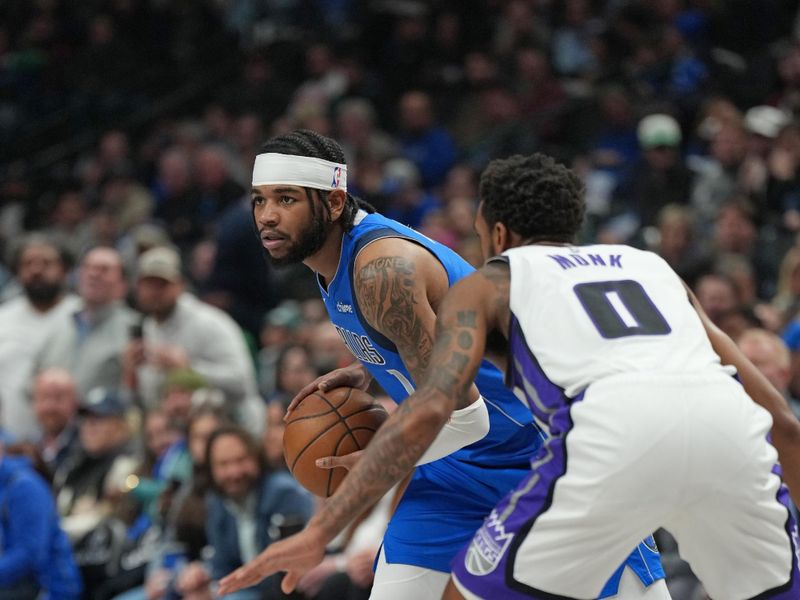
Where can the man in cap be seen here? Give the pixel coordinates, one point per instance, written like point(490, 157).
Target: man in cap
point(90, 478)
point(178, 332)
point(763, 124)
point(657, 179)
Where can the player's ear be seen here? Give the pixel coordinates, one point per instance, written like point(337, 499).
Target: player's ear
point(336, 201)
point(501, 237)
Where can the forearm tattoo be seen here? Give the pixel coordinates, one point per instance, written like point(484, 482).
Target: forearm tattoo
point(387, 299)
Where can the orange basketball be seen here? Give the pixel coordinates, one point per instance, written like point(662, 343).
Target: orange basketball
point(331, 423)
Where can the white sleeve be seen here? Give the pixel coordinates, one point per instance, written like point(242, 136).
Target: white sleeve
point(465, 426)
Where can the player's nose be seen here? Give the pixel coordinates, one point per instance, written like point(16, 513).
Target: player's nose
point(269, 214)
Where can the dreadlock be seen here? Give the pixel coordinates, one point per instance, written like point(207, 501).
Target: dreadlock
point(533, 196)
point(304, 142)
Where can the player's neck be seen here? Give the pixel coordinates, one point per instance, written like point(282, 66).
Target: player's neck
point(325, 261)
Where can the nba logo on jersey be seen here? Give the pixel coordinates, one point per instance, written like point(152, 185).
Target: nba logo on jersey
point(487, 547)
point(337, 177)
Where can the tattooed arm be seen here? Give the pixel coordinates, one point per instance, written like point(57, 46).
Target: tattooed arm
point(398, 285)
point(465, 316)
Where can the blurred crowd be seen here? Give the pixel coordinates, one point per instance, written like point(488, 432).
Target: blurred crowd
point(148, 349)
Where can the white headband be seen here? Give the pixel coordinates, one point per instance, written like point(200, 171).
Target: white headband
point(305, 171)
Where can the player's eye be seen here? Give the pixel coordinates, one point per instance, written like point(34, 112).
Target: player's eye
point(286, 200)
point(258, 200)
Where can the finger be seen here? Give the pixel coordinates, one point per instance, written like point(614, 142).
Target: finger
point(329, 383)
point(290, 582)
point(337, 378)
point(300, 396)
point(239, 579)
point(328, 462)
point(230, 583)
point(227, 585)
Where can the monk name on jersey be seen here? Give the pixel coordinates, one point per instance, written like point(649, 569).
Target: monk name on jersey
point(569, 261)
point(361, 346)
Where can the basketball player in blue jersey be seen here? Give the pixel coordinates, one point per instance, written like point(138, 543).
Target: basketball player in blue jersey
point(647, 426)
point(382, 284)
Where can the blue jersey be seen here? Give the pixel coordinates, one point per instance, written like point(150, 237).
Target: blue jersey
point(447, 499)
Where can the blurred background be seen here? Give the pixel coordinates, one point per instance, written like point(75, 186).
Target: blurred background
point(139, 320)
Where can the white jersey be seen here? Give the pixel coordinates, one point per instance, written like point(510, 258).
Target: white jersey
point(647, 430)
point(589, 312)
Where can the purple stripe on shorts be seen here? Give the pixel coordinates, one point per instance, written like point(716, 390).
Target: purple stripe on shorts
point(791, 589)
point(485, 566)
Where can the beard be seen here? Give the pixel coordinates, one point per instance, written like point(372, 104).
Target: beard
point(42, 292)
point(309, 242)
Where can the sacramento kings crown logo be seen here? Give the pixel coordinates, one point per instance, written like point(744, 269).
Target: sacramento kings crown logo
point(488, 547)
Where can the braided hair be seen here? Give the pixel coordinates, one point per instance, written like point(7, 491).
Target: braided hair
point(533, 196)
point(305, 142)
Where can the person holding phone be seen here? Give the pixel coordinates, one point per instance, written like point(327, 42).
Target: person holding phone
point(179, 332)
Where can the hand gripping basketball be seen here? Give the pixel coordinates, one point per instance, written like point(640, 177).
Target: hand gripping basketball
point(331, 423)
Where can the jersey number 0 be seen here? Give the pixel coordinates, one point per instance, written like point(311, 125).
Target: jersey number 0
point(621, 309)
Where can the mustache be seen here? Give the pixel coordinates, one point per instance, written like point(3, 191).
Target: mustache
point(273, 233)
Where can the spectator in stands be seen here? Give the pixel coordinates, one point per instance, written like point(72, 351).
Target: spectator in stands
point(68, 222)
point(358, 132)
point(250, 507)
point(678, 244)
point(55, 404)
point(659, 177)
point(294, 371)
point(166, 463)
point(176, 198)
point(719, 297)
point(89, 342)
point(763, 124)
point(771, 356)
point(572, 41)
point(217, 190)
point(736, 232)
point(500, 128)
point(278, 331)
point(179, 332)
point(26, 322)
point(542, 97)
point(176, 394)
point(183, 513)
point(128, 201)
point(422, 140)
point(407, 202)
point(94, 475)
point(717, 178)
point(36, 560)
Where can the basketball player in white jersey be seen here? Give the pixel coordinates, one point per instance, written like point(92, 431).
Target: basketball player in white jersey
point(647, 426)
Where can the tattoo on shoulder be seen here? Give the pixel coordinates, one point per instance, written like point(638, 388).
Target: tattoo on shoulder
point(387, 299)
